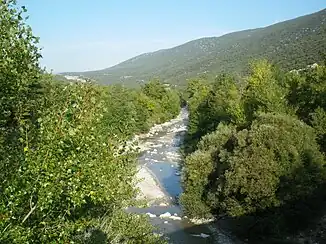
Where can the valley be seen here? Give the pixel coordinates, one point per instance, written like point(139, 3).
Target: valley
point(291, 44)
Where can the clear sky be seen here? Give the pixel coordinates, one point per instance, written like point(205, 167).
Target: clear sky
point(79, 35)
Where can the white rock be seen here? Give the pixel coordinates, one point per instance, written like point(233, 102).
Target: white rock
point(175, 214)
point(202, 235)
point(162, 204)
point(157, 145)
point(149, 189)
point(166, 222)
point(201, 221)
point(151, 215)
point(175, 218)
point(165, 215)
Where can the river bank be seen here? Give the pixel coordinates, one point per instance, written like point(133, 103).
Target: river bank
point(149, 187)
point(159, 184)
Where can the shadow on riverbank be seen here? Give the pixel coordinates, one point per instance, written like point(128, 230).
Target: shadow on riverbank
point(193, 235)
point(299, 222)
point(296, 224)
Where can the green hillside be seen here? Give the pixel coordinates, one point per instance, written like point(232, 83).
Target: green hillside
point(291, 44)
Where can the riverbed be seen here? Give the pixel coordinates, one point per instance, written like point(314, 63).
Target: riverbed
point(159, 171)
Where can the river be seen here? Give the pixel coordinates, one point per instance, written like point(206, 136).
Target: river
point(161, 158)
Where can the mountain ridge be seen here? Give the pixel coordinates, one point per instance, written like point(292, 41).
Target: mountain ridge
point(290, 44)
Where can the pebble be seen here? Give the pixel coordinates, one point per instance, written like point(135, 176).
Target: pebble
point(175, 218)
point(151, 215)
point(165, 215)
point(203, 235)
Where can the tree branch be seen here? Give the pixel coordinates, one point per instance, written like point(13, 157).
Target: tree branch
point(31, 211)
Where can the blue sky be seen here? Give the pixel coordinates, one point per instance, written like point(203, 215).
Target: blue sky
point(79, 35)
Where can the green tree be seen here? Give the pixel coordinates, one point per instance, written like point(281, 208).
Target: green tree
point(164, 102)
point(154, 89)
point(307, 94)
point(263, 92)
point(258, 151)
point(275, 161)
point(19, 97)
point(62, 176)
point(197, 92)
point(222, 104)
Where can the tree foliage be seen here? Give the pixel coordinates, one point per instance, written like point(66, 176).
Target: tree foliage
point(292, 44)
point(307, 94)
point(260, 142)
point(63, 175)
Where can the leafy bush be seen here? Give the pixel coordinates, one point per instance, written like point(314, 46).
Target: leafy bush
point(307, 94)
point(69, 177)
point(61, 174)
point(121, 227)
point(275, 161)
point(318, 122)
point(198, 169)
point(254, 149)
point(222, 104)
point(165, 103)
point(263, 92)
point(197, 91)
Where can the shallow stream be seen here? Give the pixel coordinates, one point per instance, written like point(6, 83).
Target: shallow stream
point(162, 158)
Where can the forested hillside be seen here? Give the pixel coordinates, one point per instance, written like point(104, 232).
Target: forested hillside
point(290, 44)
point(63, 175)
point(256, 152)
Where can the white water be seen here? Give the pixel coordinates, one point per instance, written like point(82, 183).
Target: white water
point(159, 162)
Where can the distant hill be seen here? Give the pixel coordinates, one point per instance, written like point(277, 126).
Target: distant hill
point(291, 44)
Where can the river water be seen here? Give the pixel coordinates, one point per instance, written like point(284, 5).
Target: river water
point(162, 158)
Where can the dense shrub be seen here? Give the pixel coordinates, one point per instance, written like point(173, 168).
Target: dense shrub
point(258, 148)
point(318, 122)
point(222, 104)
point(62, 178)
point(197, 91)
point(263, 93)
point(68, 178)
point(165, 103)
point(199, 168)
point(307, 94)
point(274, 161)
